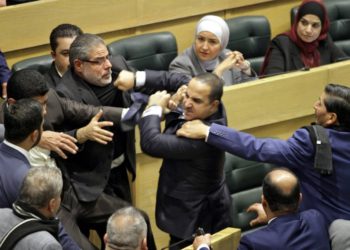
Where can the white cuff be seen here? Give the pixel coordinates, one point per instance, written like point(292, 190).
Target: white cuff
point(203, 246)
point(153, 110)
point(124, 111)
point(207, 134)
point(140, 78)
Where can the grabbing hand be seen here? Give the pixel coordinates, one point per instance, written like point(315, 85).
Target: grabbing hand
point(58, 142)
point(160, 98)
point(125, 80)
point(202, 239)
point(195, 129)
point(177, 98)
point(94, 131)
point(261, 218)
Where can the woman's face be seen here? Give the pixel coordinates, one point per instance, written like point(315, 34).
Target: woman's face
point(207, 46)
point(309, 28)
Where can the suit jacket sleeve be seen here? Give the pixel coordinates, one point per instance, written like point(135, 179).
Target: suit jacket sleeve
point(78, 114)
point(158, 144)
point(164, 80)
point(296, 151)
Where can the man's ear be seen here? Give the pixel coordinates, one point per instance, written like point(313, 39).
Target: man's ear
point(332, 119)
point(78, 65)
point(53, 54)
point(144, 244)
point(215, 105)
point(53, 206)
point(34, 135)
point(105, 238)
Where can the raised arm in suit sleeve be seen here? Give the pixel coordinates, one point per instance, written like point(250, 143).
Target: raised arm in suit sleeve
point(162, 145)
point(164, 80)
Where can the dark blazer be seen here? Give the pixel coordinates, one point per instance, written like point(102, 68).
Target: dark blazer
point(52, 76)
point(89, 169)
point(302, 231)
point(285, 55)
point(191, 189)
point(328, 194)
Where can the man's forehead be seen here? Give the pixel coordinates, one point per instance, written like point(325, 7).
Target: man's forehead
point(98, 51)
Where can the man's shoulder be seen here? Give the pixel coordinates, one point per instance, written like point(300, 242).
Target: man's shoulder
point(38, 240)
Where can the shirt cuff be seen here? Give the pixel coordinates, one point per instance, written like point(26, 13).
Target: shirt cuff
point(207, 134)
point(124, 112)
point(140, 78)
point(153, 110)
point(203, 246)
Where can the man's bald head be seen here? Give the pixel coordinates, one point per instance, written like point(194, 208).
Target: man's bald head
point(281, 190)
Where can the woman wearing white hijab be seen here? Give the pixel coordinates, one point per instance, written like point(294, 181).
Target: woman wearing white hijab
point(209, 54)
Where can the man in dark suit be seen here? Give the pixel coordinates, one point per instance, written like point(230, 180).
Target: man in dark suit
point(286, 229)
point(61, 38)
point(191, 188)
point(98, 173)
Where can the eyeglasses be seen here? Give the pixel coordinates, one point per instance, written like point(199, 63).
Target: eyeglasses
point(98, 61)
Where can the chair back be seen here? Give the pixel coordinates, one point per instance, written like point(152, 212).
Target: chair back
point(39, 63)
point(251, 36)
point(244, 179)
point(148, 51)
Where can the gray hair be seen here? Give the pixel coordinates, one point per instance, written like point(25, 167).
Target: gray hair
point(82, 45)
point(40, 185)
point(126, 229)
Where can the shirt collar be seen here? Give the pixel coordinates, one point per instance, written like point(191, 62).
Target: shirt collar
point(58, 72)
point(271, 220)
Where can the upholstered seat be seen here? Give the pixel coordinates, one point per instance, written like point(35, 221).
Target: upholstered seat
point(39, 63)
point(339, 16)
point(149, 51)
point(250, 35)
point(244, 179)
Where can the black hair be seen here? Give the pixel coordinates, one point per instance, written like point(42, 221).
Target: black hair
point(21, 119)
point(216, 84)
point(338, 101)
point(63, 30)
point(26, 83)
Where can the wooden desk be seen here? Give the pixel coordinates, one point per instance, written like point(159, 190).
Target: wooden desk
point(226, 239)
point(271, 107)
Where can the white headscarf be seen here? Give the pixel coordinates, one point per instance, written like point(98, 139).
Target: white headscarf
point(219, 28)
point(215, 25)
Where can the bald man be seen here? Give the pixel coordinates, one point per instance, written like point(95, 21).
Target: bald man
point(286, 228)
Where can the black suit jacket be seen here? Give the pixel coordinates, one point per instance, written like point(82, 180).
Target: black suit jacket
point(52, 77)
point(89, 169)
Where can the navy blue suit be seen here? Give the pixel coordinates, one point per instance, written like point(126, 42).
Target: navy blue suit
point(302, 231)
point(191, 189)
point(328, 194)
point(13, 168)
